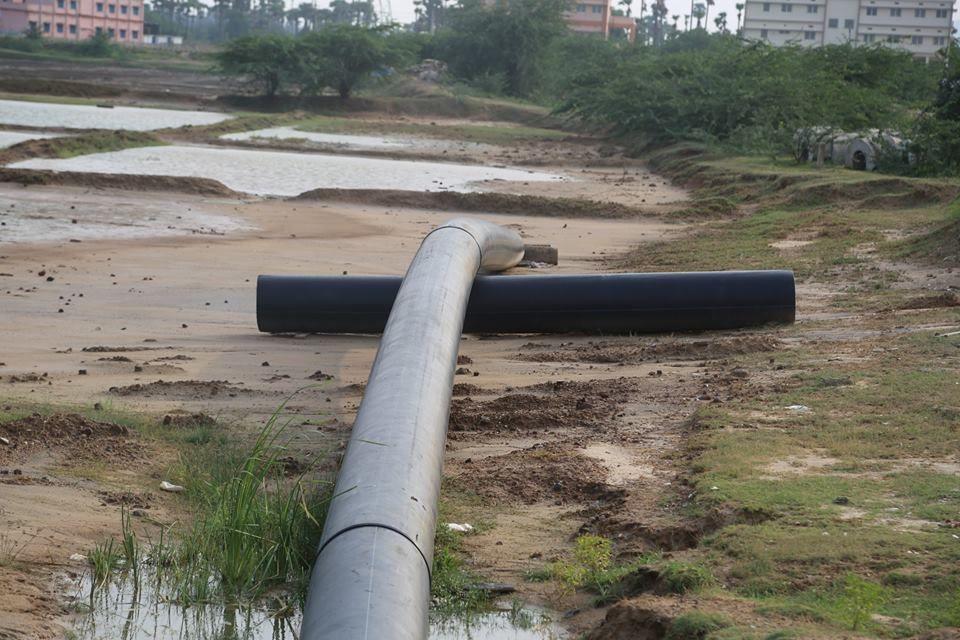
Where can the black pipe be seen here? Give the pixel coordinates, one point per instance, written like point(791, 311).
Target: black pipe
point(608, 303)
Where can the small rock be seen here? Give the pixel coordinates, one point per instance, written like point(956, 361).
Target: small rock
point(841, 500)
point(264, 364)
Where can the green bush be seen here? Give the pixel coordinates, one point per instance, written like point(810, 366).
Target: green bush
point(696, 625)
point(860, 599)
point(681, 577)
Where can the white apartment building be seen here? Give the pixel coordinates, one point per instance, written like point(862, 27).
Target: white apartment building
point(921, 27)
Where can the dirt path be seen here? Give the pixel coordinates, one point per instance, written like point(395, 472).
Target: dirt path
point(158, 324)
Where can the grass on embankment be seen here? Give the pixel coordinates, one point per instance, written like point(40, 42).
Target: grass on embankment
point(487, 134)
point(846, 454)
point(69, 146)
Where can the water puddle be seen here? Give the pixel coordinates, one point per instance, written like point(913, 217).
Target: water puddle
point(119, 611)
point(10, 138)
point(288, 174)
point(75, 116)
point(358, 142)
point(37, 216)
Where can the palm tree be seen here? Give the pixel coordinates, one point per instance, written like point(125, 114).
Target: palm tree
point(626, 6)
point(721, 22)
point(699, 12)
point(739, 6)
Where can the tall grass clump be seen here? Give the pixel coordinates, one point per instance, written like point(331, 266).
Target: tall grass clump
point(256, 528)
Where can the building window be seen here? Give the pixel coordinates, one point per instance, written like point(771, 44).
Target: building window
point(786, 8)
point(892, 39)
point(123, 34)
point(833, 23)
point(73, 5)
point(46, 27)
point(73, 29)
point(812, 8)
point(123, 9)
point(111, 32)
point(59, 4)
point(581, 8)
point(100, 7)
point(59, 27)
point(942, 13)
point(136, 11)
point(134, 34)
point(916, 40)
point(869, 37)
point(871, 11)
point(98, 30)
point(919, 13)
point(939, 40)
point(763, 34)
point(596, 8)
point(895, 13)
point(766, 6)
point(111, 8)
point(848, 24)
point(809, 35)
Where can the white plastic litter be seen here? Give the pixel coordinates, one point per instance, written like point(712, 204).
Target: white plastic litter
point(78, 557)
point(4, 441)
point(172, 488)
point(798, 407)
point(462, 528)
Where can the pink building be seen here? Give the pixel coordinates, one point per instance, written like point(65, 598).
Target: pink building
point(122, 20)
point(596, 17)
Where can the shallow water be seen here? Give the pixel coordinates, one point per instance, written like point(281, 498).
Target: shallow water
point(288, 174)
point(38, 216)
point(75, 116)
point(119, 612)
point(359, 142)
point(10, 138)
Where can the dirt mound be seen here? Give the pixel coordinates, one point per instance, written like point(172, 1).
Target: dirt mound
point(467, 389)
point(934, 301)
point(478, 202)
point(57, 88)
point(613, 352)
point(129, 499)
point(184, 389)
point(80, 436)
point(940, 246)
point(540, 473)
point(196, 186)
point(558, 405)
point(629, 621)
point(105, 349)
point(188, 420)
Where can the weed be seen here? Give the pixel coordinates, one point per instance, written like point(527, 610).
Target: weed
point(682, 577)
point(696, 625)
point(104, 559)
point(860, 600)
point(10, 550)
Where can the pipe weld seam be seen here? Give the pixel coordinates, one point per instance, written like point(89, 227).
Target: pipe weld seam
point(378, 525)
point(451, 226)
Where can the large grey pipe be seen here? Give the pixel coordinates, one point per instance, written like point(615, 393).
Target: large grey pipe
point(371, 579)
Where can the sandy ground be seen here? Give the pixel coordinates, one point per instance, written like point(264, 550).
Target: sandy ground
point(192, 295)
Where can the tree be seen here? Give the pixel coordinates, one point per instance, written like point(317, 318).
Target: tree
point(740, 7)
point(699, 12)
point(339, 56)
point(508, 40)
point(267, 60)
point(627, 8)
point(721, 22)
